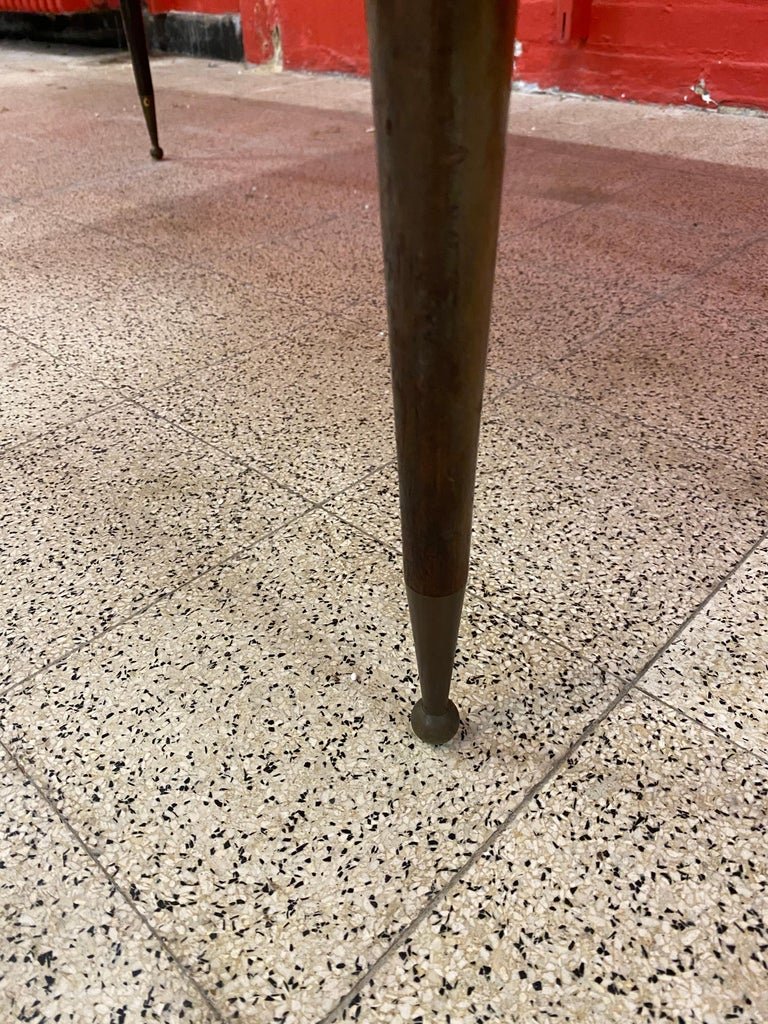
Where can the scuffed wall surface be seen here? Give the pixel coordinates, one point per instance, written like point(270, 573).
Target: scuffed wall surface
point(699, 52)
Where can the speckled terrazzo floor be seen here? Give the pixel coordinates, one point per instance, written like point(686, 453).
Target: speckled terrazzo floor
point(212, 808)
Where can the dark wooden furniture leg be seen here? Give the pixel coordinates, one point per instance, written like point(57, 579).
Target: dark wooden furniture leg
point(441, 75)
point(133, 23)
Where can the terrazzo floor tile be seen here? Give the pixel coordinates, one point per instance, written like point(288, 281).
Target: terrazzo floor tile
point(82, 128)
point(355, 168)
point(260, 238)
point(651, 260)
point(686, 366)
point(566, 171)
point(577, 275)
point(633, 887)
point(240, 758)
point(34, 164)
point(545, 188)
point(72, 949)
point(131, 317)
point(691, 195)
point(77, 107)
point(39, 394)
point(330, 92)
point(593, 530)
point(738, 283)
point(22, 228)
point(664, 134)
point(238, 754)
point(213, 213)
point(313, 412)
point(333, 266)
point(99, 517)
point(228, 78)
point(717, 670)
point(258, 124)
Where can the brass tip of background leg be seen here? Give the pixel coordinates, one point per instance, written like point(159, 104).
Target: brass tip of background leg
point(435, 729)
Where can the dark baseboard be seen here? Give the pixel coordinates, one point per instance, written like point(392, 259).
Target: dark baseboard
point(217, 36)
point(98, 28)
point(198, 35)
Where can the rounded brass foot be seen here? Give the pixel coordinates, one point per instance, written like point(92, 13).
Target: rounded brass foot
point(435, 729)
point(156, 153)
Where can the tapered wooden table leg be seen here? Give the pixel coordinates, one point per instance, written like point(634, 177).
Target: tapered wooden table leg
point(441, 74)
point(133, 23)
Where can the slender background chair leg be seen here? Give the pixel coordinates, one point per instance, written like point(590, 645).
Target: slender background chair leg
point(441, 76)
point(133, 23)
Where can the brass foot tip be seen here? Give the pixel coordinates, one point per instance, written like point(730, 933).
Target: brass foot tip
point(156, 153)
point(435, 729)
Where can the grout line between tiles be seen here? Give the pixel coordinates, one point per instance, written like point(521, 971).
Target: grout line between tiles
point(723, 737)
point(453, 883)
point(186, 972)
point(706, 600)
point(657, 297)
point(253, 466)
point(240, 554)
point(14, 446)
point(517, 379)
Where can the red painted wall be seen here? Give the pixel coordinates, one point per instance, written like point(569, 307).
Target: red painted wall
point(665, 51)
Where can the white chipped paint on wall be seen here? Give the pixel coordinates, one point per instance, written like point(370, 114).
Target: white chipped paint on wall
point(700, 88)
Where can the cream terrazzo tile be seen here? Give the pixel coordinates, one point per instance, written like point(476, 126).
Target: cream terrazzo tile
point(579, 275)
point(604, 237)
point(710, 145)
point(241, 758)
point(694, 366)
point(313, 413)
point(131, 317)
point(46, 149)
point(320, 92)
point(99, 517)
point(717, 670)
point(633, 887)
point(625, 531)
point(24, 176)
point(39, 393)
point(72, 949)
point(592, 530)
point(737, 286)
point(88, 132)
point(22, 228)
point(58, 105)
point(352, 169)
